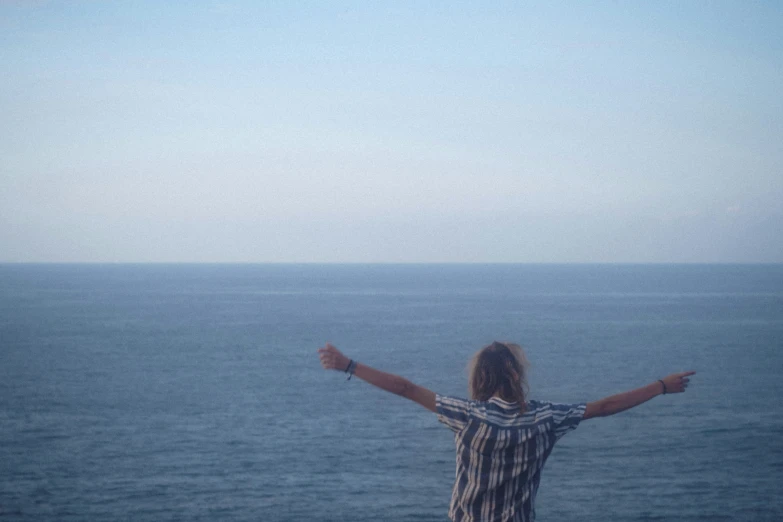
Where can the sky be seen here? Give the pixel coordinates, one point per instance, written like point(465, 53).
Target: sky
point(395, 132)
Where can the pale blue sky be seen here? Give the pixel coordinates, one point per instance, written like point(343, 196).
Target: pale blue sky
point(391, 131)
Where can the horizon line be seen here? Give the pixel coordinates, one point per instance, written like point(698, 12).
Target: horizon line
point(394, 263)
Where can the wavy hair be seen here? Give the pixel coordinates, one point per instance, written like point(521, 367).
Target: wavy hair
point(499, 369)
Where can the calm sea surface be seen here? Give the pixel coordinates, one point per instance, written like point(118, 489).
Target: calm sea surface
point(193, 392)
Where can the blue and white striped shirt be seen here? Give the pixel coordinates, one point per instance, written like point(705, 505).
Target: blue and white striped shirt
point(500, 454)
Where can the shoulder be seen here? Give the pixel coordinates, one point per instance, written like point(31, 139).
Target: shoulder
point(450, 405)
point(555, 410)
point(454, 412)
point(452, 401)
point(538, 407)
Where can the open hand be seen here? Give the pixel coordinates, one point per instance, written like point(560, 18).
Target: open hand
point(677, 382)
point(332, 358)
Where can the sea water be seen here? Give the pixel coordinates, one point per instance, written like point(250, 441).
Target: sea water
point(194, 392)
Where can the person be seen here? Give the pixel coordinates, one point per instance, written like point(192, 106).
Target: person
point(502, 438)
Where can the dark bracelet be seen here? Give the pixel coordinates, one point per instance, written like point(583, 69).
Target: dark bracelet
point(349, 366)
point(664, 386)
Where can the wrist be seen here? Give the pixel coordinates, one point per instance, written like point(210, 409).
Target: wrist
point(351, 368)
point(662, 385)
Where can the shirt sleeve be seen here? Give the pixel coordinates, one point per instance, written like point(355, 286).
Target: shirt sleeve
point(566, 417)
point(453, 412)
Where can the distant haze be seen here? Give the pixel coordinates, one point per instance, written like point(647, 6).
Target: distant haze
point(391, 131)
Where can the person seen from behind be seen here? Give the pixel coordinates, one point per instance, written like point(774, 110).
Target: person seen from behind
point(502, 438)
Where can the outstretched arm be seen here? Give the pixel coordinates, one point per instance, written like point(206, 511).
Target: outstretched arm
point(333, 359)
point(674, 383)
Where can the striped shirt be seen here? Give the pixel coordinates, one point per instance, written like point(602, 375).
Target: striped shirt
point(500, 454)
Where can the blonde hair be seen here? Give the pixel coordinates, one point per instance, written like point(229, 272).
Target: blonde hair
point(499, 369)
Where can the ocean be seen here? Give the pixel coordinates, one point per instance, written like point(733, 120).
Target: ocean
point(194, 392)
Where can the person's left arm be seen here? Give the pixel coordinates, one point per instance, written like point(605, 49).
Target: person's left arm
point(674, 383)
point(333, 359)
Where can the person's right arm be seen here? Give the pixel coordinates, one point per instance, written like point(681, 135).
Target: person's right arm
point(333, 359)
point(674, 383)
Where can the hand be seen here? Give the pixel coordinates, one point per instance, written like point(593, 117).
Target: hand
point(332, 358)
point(677, 382)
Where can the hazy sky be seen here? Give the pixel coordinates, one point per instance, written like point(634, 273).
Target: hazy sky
point(391, 131)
